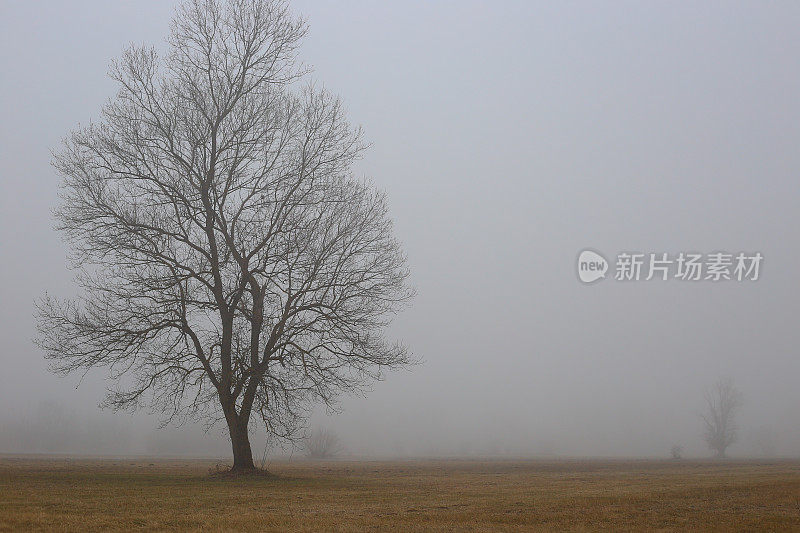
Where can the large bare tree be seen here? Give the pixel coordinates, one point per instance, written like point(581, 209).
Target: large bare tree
point(723, 400)
point(231, 267)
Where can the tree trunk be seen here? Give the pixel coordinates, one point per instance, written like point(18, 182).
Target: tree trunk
point(240, 442)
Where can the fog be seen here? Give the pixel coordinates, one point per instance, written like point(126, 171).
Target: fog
point(509, 137)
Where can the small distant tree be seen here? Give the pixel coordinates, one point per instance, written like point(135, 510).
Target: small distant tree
point(676, 452)
point(322, 444)
point(723, 401)
point(762, 441)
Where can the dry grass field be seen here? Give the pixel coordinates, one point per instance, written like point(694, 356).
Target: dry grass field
point(457, 495)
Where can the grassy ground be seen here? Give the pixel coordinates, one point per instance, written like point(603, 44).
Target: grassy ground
point(462, 495)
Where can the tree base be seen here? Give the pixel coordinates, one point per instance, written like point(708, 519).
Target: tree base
point(227, 472)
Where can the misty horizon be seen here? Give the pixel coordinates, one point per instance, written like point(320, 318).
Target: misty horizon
point(508, 141)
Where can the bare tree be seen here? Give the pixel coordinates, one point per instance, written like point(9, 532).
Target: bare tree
point(722, 403)
point(322, 444)
point(231, 267)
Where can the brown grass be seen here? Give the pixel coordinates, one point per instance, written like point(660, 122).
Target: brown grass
point(462, 495)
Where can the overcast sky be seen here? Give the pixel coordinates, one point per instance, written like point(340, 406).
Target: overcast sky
point(509, 137)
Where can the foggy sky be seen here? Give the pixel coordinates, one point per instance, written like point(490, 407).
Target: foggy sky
point(509, 136)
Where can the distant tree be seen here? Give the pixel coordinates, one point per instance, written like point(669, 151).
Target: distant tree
point(762, 441)
point(322, 444)
point(723, 401)
point(676, 452)
point(231, 266)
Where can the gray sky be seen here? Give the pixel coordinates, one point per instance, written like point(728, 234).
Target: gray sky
point(509, 136)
